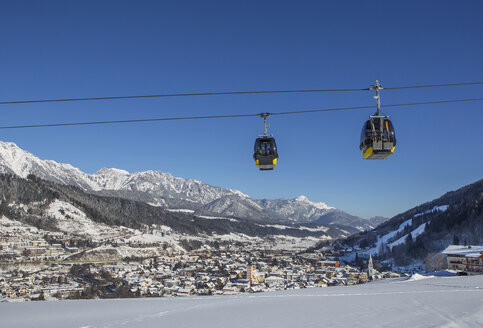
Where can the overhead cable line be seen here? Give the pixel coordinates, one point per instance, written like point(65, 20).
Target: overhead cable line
point(177, 95)
point(228, 93)
point(232, 116)
point(364, 107)
point(433, 85)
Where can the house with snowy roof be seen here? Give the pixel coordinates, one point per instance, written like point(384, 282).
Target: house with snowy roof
point(230, 289)
point(185, 291)
point(274, 281)
point(468, 259)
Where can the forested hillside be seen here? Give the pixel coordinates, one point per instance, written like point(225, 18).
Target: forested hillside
point(35, 195)
point(454, 218)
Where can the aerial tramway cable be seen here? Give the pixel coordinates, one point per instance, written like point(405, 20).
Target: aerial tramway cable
point(307, 111)
point(13, 102)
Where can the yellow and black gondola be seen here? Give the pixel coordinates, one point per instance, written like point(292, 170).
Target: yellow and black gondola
point(265, 153)
point(378, 139)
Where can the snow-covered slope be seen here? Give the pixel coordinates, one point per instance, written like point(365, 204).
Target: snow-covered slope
point(63, 217)
point(68, 218)
point(431, 302)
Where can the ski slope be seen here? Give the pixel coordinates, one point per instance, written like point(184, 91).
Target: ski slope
point(421, 302)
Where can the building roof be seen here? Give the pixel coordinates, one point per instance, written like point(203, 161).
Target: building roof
point(468, 251)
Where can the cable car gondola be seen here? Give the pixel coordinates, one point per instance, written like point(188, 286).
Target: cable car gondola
point(265, 150)
point(378, 139)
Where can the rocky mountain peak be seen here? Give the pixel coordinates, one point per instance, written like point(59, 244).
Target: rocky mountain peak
point(302, 198)
point(319, 205)
point(111, 171)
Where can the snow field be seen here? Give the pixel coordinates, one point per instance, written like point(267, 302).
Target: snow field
point(431, 302)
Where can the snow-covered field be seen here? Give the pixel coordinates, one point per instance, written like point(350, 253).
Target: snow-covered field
point(430, 302)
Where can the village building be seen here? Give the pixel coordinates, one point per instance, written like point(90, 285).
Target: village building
point(467, 259)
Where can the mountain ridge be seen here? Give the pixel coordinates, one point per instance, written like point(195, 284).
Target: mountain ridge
point(56, 207)
point(164, 190)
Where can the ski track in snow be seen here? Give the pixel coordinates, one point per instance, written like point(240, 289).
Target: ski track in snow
point(416, 232)
point(441, 208)
point(431, 302)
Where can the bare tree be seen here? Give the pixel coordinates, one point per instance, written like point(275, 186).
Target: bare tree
point(435, 262)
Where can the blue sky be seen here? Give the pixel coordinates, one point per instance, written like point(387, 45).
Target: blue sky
point(63, 49)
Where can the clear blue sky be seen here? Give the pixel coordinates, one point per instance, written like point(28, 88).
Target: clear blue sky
point(63, 49)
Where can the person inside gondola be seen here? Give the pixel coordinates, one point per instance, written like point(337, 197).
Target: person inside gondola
point(263, 149)
point(268, 150)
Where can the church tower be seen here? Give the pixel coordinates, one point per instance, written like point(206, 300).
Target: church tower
point(249, 270)
point(370, 268)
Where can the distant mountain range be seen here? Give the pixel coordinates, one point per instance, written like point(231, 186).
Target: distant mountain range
point(163, 190)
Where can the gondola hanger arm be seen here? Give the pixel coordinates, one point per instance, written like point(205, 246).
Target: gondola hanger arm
point(265, 125)
point(377, 86)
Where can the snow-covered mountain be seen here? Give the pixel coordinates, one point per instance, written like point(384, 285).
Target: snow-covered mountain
point(37, 207)
point(235, 206)
point(162, 185)
point(300, 209)
point(162, 189)
point(16, 161)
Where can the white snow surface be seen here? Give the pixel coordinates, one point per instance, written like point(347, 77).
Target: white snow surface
point(416, 232)
point(441, 208)
point(283, 227)
point(7, 225)
point(236, 237)
point(208, 217)
point(418, 276)
point(110, 252)
point(386, 237)
point(469, 251)
point(432, 302)
point(181, 211)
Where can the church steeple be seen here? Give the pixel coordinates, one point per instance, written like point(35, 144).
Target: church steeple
point(249, 270)
point(370, 267)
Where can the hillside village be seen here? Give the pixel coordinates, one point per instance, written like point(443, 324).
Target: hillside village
point(38, 265)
